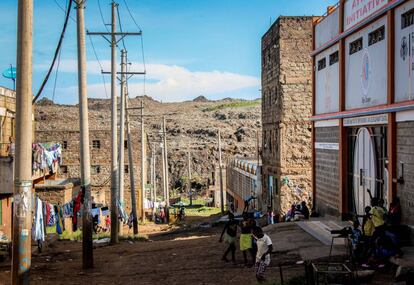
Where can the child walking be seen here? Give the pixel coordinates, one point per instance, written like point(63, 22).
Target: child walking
point(230, 234)
point(264, 248)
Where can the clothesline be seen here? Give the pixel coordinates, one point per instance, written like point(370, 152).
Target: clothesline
point(46, 156)
point(47, 214)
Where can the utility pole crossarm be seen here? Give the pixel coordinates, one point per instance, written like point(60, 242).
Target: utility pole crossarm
point(126, 73)
point(115, 34)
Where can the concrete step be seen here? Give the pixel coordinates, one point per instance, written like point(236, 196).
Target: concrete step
point(321, 230)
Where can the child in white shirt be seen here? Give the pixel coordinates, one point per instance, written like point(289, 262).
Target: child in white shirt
point(264, 249)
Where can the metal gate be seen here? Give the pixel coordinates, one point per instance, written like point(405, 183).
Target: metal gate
point(364, 170)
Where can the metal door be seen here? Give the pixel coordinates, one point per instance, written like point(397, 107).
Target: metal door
point(364, 170)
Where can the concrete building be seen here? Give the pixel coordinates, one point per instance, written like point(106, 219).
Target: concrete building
point(7, 119)
point(286, 108)
point(243, 180)
point(363, 108)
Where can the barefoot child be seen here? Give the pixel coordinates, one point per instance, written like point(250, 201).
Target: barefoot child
point(264, 248)
point(230, 234)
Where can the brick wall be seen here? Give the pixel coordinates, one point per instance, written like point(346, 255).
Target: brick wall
point(405, 154)
point(327, 172)
point(286, 108)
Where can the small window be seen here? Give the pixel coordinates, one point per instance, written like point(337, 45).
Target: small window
point(355, 46)
point(321, 64)
point(334, 58)
point(63, 169)
point(65, 144)
point(126, 144)
point(407, 19)
point(96, 169)
point(96, 144)
point(126, 169)
point(376, 36)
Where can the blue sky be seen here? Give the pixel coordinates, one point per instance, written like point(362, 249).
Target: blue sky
point(192, 47)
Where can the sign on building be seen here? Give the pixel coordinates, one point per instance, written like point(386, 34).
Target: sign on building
point(366, 120)
point(366, 66)
point(356, 11)
point(404, 52)
point(327, 81)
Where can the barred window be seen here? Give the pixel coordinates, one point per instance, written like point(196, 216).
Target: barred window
point(96, 144)
point(356, 46)
point(96, 169)
point(407, 19)
point(126, 144)
point(322, 64)
point(334, 58)
point(126, 169)
point(65, 144)
point(376, 36)
point(63, 169)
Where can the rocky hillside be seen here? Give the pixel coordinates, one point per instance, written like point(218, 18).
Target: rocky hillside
point(191, 125)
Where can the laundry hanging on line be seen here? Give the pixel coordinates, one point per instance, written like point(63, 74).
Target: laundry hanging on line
point(46, 157)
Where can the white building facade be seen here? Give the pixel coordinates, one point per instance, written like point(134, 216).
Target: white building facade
point(363, 106)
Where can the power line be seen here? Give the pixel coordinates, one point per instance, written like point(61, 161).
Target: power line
point(64, 10)
point(102, 17)
point(62, 35)
point(56, 76)
point(100, 65)
point(132, 17)
point(142, 43)
point(120, 26)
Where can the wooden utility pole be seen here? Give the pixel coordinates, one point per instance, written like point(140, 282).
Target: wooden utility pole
point(114, 151)
point(167, 190)
point(258, 148)
point(221, 175)
point(122, 133)
point(190, 193)
point(22, 206)
point(164, 181)
point(87, 248)
point(131, 174)
point(143, 160)
point(154, 182)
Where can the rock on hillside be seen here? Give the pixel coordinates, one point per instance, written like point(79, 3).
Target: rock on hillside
point(190, 125)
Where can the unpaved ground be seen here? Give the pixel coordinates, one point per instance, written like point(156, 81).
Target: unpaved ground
point(179, 256)
point(186, 256)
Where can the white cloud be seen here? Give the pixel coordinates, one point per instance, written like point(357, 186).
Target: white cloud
point(166, 82)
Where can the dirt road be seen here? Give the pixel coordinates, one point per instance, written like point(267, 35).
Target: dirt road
point(187, 256)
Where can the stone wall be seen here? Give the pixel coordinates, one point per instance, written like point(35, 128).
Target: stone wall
point(100, 157)
point(287, 105)
point(405, 154)
point(327, 172)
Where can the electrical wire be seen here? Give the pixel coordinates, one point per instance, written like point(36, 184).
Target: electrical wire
point(102, 17)
point(100, 65)
point(64, 10)
point(132, 17)
point(62, 35)
point(142, 43)
point(56, 76)
point(120, 26)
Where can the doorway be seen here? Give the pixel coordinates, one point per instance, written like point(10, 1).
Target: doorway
point(368, 168)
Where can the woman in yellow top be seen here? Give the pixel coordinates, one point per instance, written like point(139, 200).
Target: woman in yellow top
point(246, 238)
point(367, 224)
